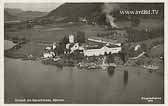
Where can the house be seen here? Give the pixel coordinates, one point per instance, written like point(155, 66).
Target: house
point(48, 54)
point(103, 46)
point(48, 51)
point(97, 51)
point(83, 19)
point(76, 46)
point(71, 47)
point(93, 50)
point(48, 48)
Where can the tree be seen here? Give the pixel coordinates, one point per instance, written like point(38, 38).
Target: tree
point(65, 40)
point(81, 37)
point(76, 55)
point(110, 58)
point(60, 49)
point(135, 22)
point(124, 52)
point(144, 47)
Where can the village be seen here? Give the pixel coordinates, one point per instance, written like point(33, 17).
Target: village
point(116, 46)
point(83, 53)
point(91, 52)
point(113, 46)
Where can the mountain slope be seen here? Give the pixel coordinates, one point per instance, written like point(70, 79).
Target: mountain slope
point(14, 11)
point(25, 15)
point(94, 11)
point(76, 9)
point(29, 15)
point(9, 17)
point(72, 12)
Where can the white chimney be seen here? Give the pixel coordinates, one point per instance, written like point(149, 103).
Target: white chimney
point(71, 38)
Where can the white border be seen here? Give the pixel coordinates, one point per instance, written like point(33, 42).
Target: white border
point(60, 1)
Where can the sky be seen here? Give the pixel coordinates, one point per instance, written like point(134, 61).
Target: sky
point(44, 7)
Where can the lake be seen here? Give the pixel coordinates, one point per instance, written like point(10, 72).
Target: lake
point(32, 79)
point(8, 44)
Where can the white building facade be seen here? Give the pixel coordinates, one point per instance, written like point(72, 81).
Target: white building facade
point(101, 51)
point(71, 38)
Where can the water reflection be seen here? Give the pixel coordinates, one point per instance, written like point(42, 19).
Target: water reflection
point(111, 70)
point(138, 73)
point(125, 77)
point(150, 71)
point(60, 67)
point(30, 79)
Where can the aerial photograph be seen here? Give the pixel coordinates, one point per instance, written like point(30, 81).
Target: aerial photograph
point(84, 53)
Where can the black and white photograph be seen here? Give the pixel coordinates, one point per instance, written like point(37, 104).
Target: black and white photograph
point(84, 53)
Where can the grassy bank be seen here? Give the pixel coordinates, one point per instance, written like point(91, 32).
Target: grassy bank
point(25, 50)
point(41, 36)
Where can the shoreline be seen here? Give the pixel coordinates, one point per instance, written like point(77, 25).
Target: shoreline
point(118, 67)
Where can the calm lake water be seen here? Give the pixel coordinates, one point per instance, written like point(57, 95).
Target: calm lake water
point(8, 44)
point(32, 79)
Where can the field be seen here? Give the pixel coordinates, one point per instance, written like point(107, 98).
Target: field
point(41, 36)
point(144, 23)
point(54, 32)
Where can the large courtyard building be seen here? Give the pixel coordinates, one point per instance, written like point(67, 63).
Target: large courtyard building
point(102, 50)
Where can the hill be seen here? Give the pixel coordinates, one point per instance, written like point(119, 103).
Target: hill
point(29, 15)
point(24, 15)
point(95, 11)
point(9, 17)
point(72, 12)
point(76, 9)
point(14, 11)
